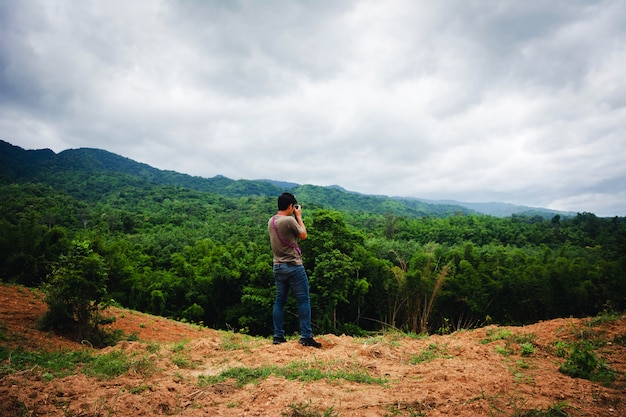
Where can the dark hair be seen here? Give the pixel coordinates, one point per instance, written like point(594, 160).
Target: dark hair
point(286, 199)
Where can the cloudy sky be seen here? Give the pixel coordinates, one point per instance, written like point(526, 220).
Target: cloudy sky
point(511, 101)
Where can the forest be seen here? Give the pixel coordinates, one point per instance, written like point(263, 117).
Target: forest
point(197, 250)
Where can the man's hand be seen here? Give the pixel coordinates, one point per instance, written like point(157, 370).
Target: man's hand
point(297, 211)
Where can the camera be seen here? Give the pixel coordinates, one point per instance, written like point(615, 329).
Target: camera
point(297, 207)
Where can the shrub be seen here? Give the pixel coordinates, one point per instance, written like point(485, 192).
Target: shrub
point(75, 292)
point(584, 363)
point(557, 410)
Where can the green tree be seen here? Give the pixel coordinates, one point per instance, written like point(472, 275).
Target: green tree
point(75, 293)
point(424, 281)
point(331, 281)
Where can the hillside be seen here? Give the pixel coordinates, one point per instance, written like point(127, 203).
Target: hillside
point(503, 209)
point(88, 173)
point(180, 369)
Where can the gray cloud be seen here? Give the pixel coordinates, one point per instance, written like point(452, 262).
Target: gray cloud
point(522, 102)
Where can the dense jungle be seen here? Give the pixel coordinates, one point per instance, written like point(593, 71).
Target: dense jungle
point(196, 250)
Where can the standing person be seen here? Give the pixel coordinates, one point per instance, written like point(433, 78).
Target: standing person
point(289, 273)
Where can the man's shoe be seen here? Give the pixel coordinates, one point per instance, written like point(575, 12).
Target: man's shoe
point(279, 340)
point(309, 341)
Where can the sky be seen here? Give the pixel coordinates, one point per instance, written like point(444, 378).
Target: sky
point(522, 102)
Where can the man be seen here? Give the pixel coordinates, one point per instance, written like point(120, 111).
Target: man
point(285, 228)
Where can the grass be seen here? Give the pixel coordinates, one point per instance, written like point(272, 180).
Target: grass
point(583, 362)
point(506, 334)
point(581, 359)
point(527, 349)
point(620, 339)
point(117, 363)
point(237, 341)
point(7, 335)
point(414, 409)
point(180, 356)
point(429, 354)
point(392, 340)
point(139, 389)
point(505, 350)
point(556, 410)
point(523, 340)
point(516, 406)
point(3, 331)
point(50, 364)
point(307, 410)
point(59, 364)
point(521, 343)
point(604, 317)
point(183, 361)
point(299, 371)
point(390, 336)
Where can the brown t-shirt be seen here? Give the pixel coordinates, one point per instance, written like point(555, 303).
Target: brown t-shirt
point(285, 252)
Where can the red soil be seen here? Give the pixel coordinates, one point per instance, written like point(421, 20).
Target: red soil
point(470, 374)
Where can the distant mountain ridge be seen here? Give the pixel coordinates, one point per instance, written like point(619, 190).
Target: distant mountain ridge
point(497, 209)
point(81, 172)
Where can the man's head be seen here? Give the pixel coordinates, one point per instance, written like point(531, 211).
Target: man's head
point(285, 200)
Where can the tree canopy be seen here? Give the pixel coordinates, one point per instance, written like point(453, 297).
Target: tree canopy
point(201, 255)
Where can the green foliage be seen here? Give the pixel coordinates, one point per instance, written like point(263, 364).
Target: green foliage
point(524, 340)
point(197, 250)
point(74, 294)
point(496, 334)
point(583, 362)
point(527, 349)
point(118, 363)
point(556, 410)
point(412, 409)
point(300, 371)
point(505, 350)
point(560, 349)
point(307, 410)
point(431, 353)
point(59, 364)
point(194, 313)
point(518, 405)
point(620, 339)
point(605, 316)
point(241, 375)
point(3, 331)
point(234, 341)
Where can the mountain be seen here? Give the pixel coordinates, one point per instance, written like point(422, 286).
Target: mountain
point(503, 209)
point(89, 173)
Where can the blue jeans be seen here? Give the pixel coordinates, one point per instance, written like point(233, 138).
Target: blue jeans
point(291, 276)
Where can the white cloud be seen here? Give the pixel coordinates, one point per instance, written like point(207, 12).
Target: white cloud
point(521, 102)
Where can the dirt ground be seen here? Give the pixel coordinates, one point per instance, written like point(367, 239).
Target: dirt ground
point(467, 373)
